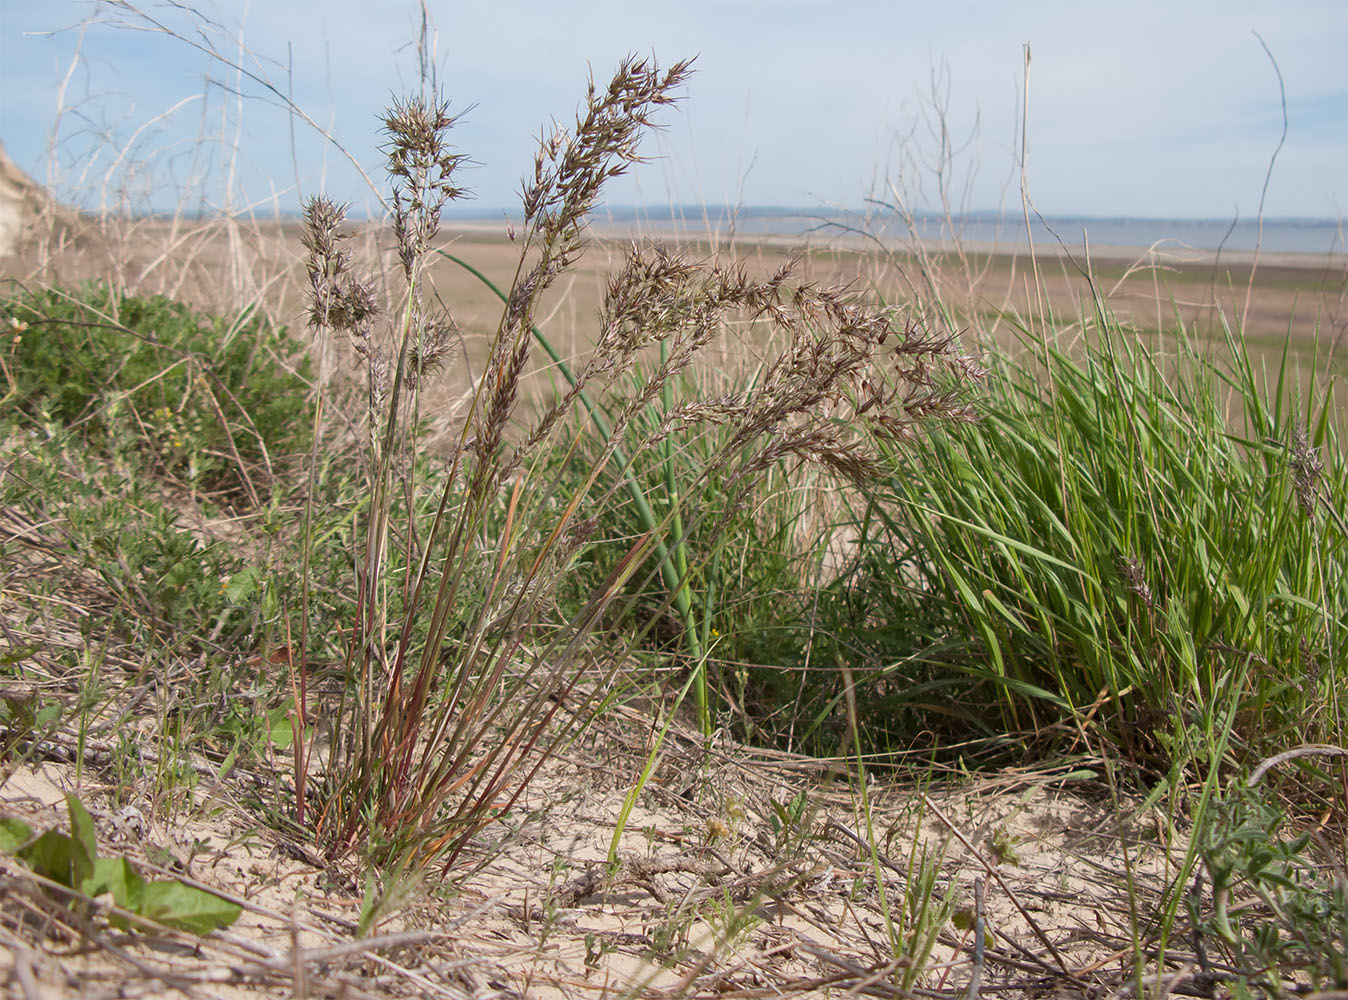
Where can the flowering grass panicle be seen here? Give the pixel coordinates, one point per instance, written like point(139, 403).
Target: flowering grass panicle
point(457, 689)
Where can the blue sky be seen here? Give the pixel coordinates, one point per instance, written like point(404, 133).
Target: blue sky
point(1165, 108)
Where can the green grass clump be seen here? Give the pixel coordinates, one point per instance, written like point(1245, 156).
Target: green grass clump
point(201, 398)
point(1139, 536)
point(747, 568)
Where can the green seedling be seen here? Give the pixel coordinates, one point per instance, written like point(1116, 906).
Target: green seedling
point(1002, 842)
point(71, 860)
point(789, 821)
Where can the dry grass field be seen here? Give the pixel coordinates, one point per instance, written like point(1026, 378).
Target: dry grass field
point(1300, 300)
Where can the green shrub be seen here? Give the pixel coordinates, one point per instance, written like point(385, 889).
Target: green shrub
point(200, 398)
point(1290, 920)
point(112, 402)
point(162, 579)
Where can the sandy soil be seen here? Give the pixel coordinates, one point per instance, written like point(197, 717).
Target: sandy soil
point(710, 898)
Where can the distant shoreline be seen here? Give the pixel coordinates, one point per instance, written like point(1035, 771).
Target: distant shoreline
point(1186, 240)
point(1164, 253)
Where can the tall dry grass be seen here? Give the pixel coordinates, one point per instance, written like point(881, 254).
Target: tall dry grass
point(459, 672)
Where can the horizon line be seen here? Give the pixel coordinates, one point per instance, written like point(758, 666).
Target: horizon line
point(666, 212)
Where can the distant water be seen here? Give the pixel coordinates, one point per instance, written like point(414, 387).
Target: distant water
point(1302, 236)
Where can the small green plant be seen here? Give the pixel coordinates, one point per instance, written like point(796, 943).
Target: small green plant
point(71, 860)
point(790, 823)
point(27, 718)
point(595, 950)
point(252, 735)
point(550, 910)
point(653, 758)
point(1269, 907)
point(671, 932)
point(385, 894)
point(146, 379)
point(732, 924)
point(1002, 844)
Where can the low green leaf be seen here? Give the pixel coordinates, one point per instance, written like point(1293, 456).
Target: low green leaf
point(227, 764)
point(186, 908)
point(14, 833)
point(280, 730)
point(17, 655)
point(84, 842)
point(50, 856)
point(965, 919)
point(369, 905)
point(241, 585)
point(118, 877)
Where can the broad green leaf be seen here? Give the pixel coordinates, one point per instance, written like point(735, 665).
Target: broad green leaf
point(185, 908)
point(50, 856)
point(118, 877)
point(241, 585)
point(280, 729)
point(14, 833)
point(1295, 600)
point(227, 764)
point(84, 842)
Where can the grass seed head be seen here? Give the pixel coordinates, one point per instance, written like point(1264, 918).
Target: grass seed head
point(1135, 579)
point(1306, 471)
point(339, 300)
point(422, 166)
point(431, 354)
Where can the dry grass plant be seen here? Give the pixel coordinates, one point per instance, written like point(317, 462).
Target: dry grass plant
point(458, 694)
point(215, 243)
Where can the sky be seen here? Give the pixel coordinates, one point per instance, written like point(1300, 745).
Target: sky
point(1143, 108)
